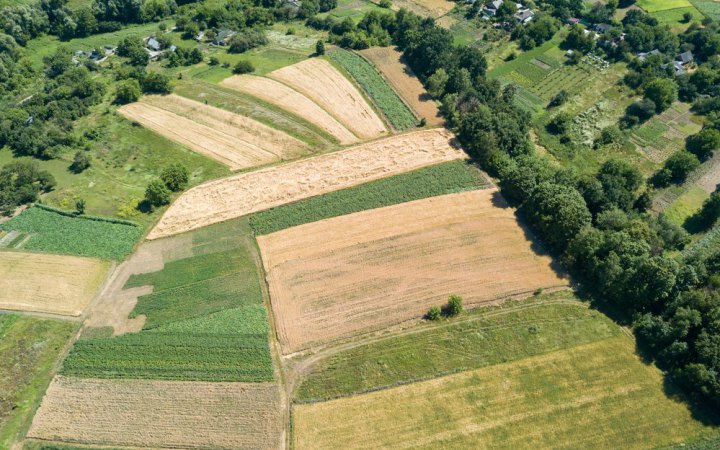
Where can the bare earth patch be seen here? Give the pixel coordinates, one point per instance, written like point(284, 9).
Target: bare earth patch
point(47, 283)
point(168, 414)
point(291, 100)
point(351, 274)
point(251, 192)
point(321, 82)
point(236, 141)
point(406, 84)
point(425, 8)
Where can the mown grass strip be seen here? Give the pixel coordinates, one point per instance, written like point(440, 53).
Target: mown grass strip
point(441, 179)
point(380, 91)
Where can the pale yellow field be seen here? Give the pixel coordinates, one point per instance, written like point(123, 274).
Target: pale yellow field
point(168, 414)
point(425, 8)
point(596, 396)
point(291, 100)
point(321, 82)
point(350, 274)
point(236, 141)
point(54, 284)
point(251, 192)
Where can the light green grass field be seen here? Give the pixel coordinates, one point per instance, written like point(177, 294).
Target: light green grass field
point(686, 205)
point(711, 8)
point(660, 5)
point(674, 17)
point(29, 348)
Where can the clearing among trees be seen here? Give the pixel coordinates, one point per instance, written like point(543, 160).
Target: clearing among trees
point(236, 141)
point(364, 271)
point(250, 192)
point(425, 8)
point(47, 283)
point(291, 100)
point(164, 414)
point(406, 84)
point(321, 82)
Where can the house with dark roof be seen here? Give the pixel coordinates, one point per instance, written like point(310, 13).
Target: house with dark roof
point(524, 16)
point(153, 44)
point(601, 27)
point(492, 8)
point(223, 36)
point(685, 58)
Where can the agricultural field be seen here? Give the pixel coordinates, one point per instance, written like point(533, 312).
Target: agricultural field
point(40, 229)
point(236, 141)
point(710, 8)
point(321, 82)
point(160, 414)
point(54, 284)
point(367, 76)
point(597, 395)
point(289, 99)
point(416, 254)
point(267, 188)
point(29, 349)
point(353, 9)
point(661, 5)
point(686, 205)
point(403, 80)
point(665, 133)
point(425, 8)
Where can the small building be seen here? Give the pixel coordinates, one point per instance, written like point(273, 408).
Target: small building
point(685, 58)
point(572, 21)
point(491, 8)
point(642, 56)
point(602, 27)
point(524, 16)
point(153, 44)
point(172, 48)
point(223, 37)
point(676, 66)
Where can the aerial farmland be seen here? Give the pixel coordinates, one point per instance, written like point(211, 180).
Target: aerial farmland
point(326, 224)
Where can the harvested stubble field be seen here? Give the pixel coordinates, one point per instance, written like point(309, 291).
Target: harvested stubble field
point(47, 283)
point(251, 192)
point(291, 100)
point(164, 414)
point(351, 274)
point(406, 84)
point(236, 141)
point(599, 395)
point(321, 82)
point(425, 8)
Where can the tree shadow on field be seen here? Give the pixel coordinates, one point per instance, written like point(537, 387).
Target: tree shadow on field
point(700, 411)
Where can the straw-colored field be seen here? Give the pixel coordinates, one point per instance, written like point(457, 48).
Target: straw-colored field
point(404, 81)
point(49, 283)
point(599, 395)
point(291, 100)
point(425, 8)
point(321, 82)
point(236, 141)
point(167, 414)
point(250, 192)
point(342, 276)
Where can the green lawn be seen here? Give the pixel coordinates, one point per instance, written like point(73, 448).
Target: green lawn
point(29, 348)
point(446, 178)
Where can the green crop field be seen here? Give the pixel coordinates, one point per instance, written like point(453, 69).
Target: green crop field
point(29, 348)
point(686, 205)
point(376, 87)
point(711, 8)
point(205, 319)
point(52, 232)
point(446, 178)
point(674, 17)
point(660, 5)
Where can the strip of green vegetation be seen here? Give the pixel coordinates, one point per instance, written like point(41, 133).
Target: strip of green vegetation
point(29, 348)
point(376, 87)
point(489, 336)
point(205, 319)
point(57, 233)
point(446, 178)
point(34, 445)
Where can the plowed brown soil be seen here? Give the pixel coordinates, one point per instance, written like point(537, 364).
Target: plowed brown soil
point(321, 82)
point(291, 100)
point(236, 141)
point(364, 271)
point(168, 414)
point(250, 192)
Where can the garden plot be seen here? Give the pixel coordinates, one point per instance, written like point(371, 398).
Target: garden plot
point(160, 414)
point(351, 274)
point(250, 192)
point(665, 134)
point(406, 84)
point(49, 283)
point(236, 141)
point(291, 100)
point(321, 82)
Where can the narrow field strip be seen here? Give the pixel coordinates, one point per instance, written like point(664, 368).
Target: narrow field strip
point(251, 192)
point(321, 82)
point(599, 395)
point(47, 283)
point(291, 100)
point(160, 414)
point(351, 274)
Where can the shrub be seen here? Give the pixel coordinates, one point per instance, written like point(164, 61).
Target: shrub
point(385, 4)
point(214, 61)
point(241, 43)
point(128, 91)
point(157, 193)
point(434, 313)
point(560, 124)
point(559, 99)
point(80, 162)
point(319, 48)
point(175, 177)
point(80, 206)
point(454, 306)
point(243, 67)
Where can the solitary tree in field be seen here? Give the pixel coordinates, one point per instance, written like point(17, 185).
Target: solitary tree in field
point(157, 193)
point(433, 313)
point(175, 176)
point(454, 306)
point(80, 206)
point(320, 48)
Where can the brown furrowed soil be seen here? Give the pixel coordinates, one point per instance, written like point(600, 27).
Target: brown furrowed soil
point(291, 100)
point(46, 283)
point(356, 273)
point(406, 84)
point(251, 192)
point(168, 414)
point(236, 141)
point(321, 82)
